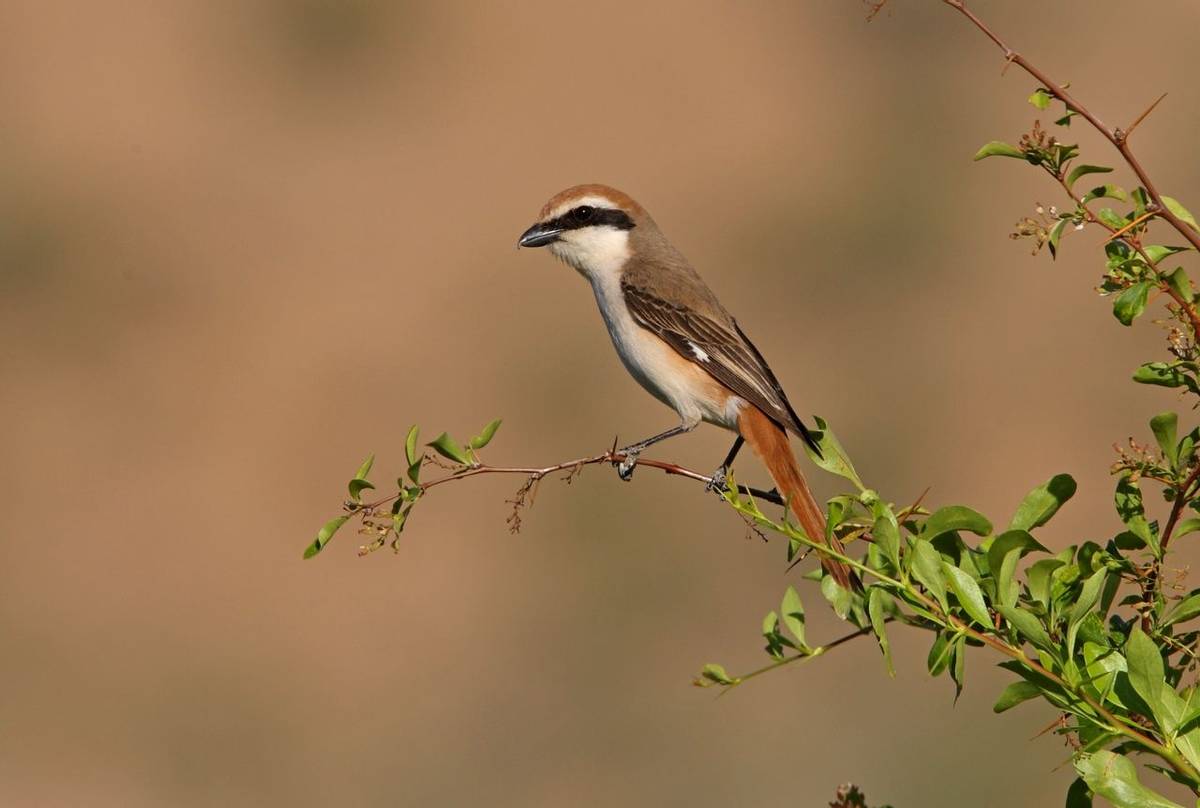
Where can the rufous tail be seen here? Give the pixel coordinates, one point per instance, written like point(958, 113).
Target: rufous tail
point(770, 442)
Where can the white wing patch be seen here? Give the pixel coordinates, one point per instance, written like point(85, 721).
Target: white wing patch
point(700, 354)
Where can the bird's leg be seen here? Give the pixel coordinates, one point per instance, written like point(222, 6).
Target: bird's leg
point(631, 452)
point(717, 483)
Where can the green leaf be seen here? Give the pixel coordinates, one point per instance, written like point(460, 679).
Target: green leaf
point(1157, 252)
point(1181, 284)
point(968, 594)
point(792, 611)
point(1079, 795)
point(356, 487)
point(1140, 200)
point(1041, 99)
point(1180, 211)
point(1191, 716)
point(939, 654)
point(998, 148)
point(324, 535)
point(1105, 191)
point(485, 437)
point(1056, 231)
point(445, 445)
point(839, 597)
point(1173, 714)
point(955, 517)
point(770, 623)
point(1164, 375)
point(400, 518)
point(1014, 694)
point(1088, 597)
point(1128, 500)
point(1043, 502)
point(1011, 539)
point(877, 604)
point(887, 538)
point(833, 457)
point(1184, 610)
point(365, 468)
point(360, 482)
point(1039, 577)
point(716, 674)
point(1165, 427)
point(410, 445)
point(1111, 218)
point(1008, 591)
point(1114, 778)
point(1188, 444)
point(1050, 689)
point(1027, 626)
point(958, 663)
point(1189, 525)
point(1084, 170)
point(410, 454)
point(927, 568)
point(1131, 302)
point(1146, 669)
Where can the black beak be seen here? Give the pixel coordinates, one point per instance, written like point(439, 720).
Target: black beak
point(539, 235)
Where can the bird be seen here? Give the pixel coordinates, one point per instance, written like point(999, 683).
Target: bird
point(676, 339)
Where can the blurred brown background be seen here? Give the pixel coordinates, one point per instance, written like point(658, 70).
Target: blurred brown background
point(244, 243)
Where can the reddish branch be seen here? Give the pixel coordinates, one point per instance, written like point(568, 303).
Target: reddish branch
point(1182, 496)
point(1115, 135)
point(534, 474)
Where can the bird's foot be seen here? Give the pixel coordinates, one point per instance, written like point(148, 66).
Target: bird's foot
point(719, 478)
point(626, 466)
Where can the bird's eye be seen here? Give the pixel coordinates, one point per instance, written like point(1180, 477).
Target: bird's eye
point(583, 213)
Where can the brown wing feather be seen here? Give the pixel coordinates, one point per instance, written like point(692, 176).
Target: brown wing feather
point(731, 359)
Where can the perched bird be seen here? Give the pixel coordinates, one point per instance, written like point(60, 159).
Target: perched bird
point(678, 341)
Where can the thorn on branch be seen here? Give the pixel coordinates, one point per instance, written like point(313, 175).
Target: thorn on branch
point(1124, 136)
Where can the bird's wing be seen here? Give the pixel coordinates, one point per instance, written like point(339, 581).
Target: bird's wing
point(724, 351)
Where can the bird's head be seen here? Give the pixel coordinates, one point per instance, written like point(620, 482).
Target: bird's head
point(588, 226)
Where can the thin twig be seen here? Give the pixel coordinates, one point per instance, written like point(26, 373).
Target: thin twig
point(820, 650)
point(537, 473)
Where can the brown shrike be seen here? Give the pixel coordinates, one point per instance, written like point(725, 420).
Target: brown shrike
point(677, 339)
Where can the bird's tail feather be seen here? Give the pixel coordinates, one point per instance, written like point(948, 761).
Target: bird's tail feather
point(770, 442)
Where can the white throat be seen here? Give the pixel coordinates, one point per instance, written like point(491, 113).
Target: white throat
point(598, 253)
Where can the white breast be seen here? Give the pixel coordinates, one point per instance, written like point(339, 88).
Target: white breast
point(676, 382)
point(599, 254)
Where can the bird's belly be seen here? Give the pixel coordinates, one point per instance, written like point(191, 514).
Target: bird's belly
point(675, 381)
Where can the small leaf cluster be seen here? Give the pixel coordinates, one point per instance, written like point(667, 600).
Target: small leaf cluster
point(1133, 269)
point(383, 521)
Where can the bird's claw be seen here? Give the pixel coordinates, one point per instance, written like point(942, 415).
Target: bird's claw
point(717, 483)
point(626, 466)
